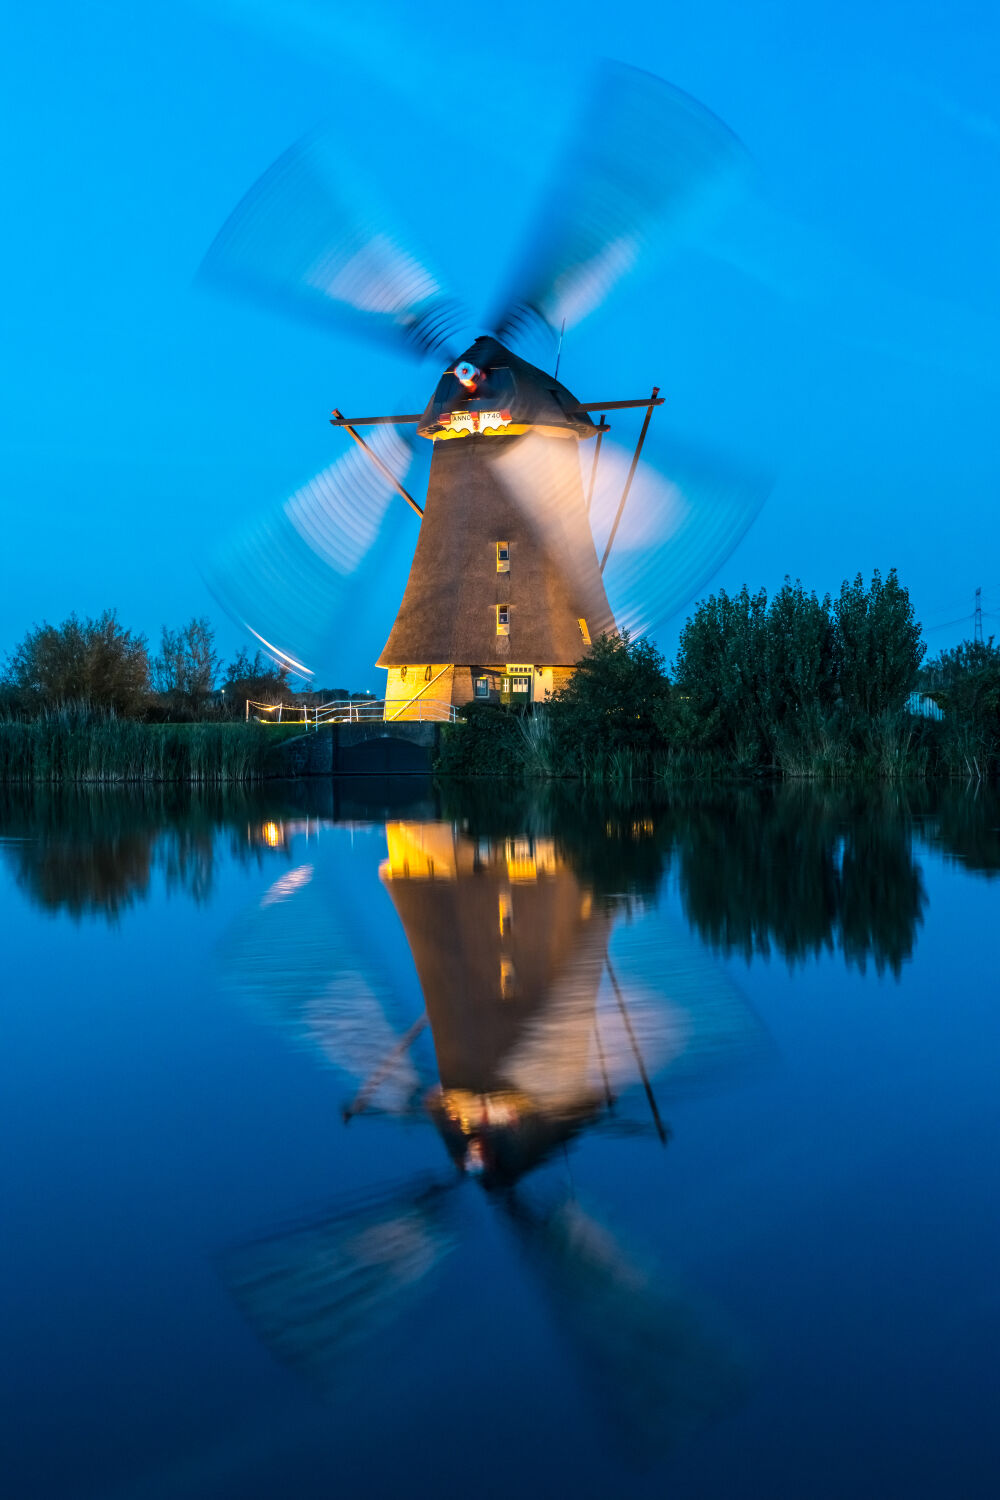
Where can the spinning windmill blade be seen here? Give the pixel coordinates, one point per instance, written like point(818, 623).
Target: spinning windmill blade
point(659, 535)
point(678, 525)
point(316, 1293)
point(642, 159)
point(288, 576)
point(308, 239)
point(661, 1367)
point(296, 963)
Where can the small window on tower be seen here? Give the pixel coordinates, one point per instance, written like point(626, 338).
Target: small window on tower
point(503, 619)
point(482, 687)
point(503, 557)
point(584, 632)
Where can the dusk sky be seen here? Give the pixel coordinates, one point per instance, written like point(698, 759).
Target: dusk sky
point(839, 322)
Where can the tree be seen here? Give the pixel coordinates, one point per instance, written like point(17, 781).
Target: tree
point(187, 666)
point(614, 700)
point(254, 677)
point(965, 681)
point(877, 645)
point(95, 661)
point(717, 674)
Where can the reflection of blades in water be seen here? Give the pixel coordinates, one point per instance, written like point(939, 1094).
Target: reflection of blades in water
point(677, 528)
point(674, 1016)
point(642, 159)
point(573, 1051)
point(308, 239)
point(286, 885)
point(293, 963)
point(661, 1370)
point(290, 575)
point(697, 1027)
point(316, 1293)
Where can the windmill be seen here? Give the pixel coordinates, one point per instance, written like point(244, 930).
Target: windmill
point(536, 535)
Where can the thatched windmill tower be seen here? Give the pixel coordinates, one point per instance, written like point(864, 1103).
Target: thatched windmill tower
point(502, 598)
point(506, 590)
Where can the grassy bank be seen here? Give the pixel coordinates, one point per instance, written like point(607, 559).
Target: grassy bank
point(80, 745)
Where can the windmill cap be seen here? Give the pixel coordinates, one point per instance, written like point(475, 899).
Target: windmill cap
point(513, 397)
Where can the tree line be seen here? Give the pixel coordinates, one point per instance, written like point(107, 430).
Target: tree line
point(98, 662)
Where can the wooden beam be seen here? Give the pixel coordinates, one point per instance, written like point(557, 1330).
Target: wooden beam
point(337, 420)
point(653, 400)
point(383, 468)
point(661, 1129)
point(602, 428)
point(381, 1073)
point(631, 473)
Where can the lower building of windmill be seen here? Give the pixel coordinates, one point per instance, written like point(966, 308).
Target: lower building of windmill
point(411, 691)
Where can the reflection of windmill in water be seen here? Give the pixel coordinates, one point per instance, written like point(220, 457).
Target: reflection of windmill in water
point(524, 554)
point(533, 1043)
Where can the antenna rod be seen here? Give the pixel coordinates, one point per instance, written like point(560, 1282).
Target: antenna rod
point(631, 473)
point(562, 335)
point(383, 468)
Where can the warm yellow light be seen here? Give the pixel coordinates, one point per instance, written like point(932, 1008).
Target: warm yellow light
point(272, 834)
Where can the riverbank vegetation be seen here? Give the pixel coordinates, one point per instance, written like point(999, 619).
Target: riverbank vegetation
point(793, 686)
point(77, 743)
point(85, 701)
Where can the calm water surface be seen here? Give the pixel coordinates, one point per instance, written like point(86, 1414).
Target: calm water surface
point(379, 1140)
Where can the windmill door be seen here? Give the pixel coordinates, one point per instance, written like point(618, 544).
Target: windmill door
point(515, 685)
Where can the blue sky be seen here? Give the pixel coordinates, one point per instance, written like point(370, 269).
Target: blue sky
point(842, 320)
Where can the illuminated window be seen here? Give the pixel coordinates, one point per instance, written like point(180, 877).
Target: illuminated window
point(482, 687)
point(503, 619)
point(584, 632)
point(503, 557)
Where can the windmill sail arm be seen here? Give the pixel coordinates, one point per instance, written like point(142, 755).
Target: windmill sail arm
point(602, 405)
point(396, 421)
point(381, 465)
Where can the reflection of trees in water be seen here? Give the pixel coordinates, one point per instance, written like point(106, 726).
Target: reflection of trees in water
point(796, 870)
point(88, 852)
point(800, 871)
point(963, 823)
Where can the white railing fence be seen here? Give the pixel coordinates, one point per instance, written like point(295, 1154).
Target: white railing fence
point(358, 711)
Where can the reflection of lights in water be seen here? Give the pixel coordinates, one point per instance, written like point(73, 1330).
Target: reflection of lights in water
point(473, 1112)
point(271, 833)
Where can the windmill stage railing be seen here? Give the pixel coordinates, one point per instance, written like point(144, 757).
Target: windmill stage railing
point(354, 711)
